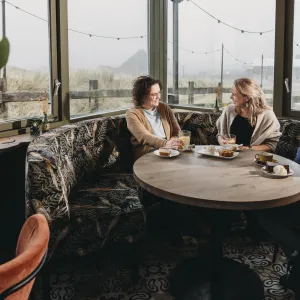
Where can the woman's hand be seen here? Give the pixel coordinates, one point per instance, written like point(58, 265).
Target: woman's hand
point(221, 140)
point(174, 143)
point(245, 148)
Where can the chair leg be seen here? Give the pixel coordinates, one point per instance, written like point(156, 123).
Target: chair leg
point(276, 250)
point(135, 255)
point(46, 282)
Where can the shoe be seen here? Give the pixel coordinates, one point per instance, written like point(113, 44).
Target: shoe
point(292, 278)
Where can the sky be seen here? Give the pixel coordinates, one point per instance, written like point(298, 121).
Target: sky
point(119, 18)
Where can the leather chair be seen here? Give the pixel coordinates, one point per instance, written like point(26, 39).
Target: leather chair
point(17, 275)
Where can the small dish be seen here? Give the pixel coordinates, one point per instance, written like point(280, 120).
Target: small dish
point(189, 149)
point(172, 154)
point(290, 173)
point(262, 163)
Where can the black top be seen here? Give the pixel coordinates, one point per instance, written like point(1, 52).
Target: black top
point(242, 129)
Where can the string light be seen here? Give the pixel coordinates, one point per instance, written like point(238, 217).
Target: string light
point(238, 60)
point(142, 36)
point(80, 32)
point(196, 52)
point(228, 25)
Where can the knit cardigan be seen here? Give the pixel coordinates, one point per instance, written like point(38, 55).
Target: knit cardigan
point(266, 131)
point(143, 139)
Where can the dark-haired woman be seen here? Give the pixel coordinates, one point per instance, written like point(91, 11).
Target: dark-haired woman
point(151, 122)
point(153, 125)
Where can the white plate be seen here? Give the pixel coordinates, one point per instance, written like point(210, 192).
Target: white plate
point(229, 147)
point(172, 154)
point(202, 151)
point(290, 173)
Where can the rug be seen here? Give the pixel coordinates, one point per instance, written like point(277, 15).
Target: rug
point(108, 278)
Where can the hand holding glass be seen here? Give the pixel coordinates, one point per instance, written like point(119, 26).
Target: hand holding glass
point(185, 137)
point(230, 138)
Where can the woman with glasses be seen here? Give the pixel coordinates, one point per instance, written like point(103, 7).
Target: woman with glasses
point(151, 122)
point(153, 125)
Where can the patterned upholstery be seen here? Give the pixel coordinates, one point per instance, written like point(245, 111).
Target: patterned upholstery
point(289, 141)
point(80, 177)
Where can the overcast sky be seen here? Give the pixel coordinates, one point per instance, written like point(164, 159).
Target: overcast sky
point(122, 18)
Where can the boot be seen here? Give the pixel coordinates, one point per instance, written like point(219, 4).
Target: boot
point(292, 278)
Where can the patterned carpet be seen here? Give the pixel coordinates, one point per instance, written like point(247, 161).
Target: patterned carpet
point(108, 279)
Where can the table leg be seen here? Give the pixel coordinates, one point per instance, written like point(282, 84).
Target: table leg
point(217, 256)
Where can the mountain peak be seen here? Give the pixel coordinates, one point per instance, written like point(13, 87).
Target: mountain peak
point(136, 64)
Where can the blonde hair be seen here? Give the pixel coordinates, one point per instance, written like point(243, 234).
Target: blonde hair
point(256, 98)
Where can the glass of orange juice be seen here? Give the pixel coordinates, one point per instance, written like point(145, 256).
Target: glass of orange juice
point(185, 137)
point(230, 138)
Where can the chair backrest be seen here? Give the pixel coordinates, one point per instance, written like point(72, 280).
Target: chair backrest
point(17, 275)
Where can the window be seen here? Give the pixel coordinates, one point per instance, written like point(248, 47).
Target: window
point(219, 41)
point(295, 101)
point(107, 51)
point(26, 78)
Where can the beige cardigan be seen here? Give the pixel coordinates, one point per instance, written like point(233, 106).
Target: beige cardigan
point(266, 131)
point(143, 140)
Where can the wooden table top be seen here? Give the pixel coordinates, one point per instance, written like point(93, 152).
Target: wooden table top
point(7, 144)
point(197, 180)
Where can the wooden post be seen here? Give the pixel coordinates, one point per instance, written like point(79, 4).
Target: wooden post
point(220, 91)
point(93, 85)
point(3, 89)
point(191, 92)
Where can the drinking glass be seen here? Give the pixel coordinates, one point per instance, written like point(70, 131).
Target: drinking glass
point(230, 138)
point(185, 137)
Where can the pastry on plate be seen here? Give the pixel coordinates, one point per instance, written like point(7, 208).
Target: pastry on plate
point(164, 152)
point(226, 153)
point(211, 149)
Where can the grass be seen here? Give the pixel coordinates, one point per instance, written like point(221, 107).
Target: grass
point(36, 81)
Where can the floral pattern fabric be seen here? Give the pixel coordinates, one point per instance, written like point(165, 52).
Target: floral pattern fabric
point(80, 177)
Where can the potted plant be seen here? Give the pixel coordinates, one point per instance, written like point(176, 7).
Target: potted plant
point(4, 52)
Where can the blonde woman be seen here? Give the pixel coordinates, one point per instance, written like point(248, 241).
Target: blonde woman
point(249, 118)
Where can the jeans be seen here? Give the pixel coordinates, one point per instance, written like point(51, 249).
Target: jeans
point(283, 224)
point(297, 159)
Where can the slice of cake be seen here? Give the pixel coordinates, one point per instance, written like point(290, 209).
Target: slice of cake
point(270, 166)
point(164, 152)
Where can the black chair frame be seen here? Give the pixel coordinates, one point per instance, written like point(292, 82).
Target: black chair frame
point(25, 281)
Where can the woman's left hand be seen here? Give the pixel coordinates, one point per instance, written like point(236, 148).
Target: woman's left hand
point(245, 148)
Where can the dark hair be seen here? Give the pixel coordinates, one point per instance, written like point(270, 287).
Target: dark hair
point(141, 88)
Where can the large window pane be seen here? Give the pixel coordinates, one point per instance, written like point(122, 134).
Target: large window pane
point(107, 50)
point(295, 105)
point(205, 28)
point(27, 74)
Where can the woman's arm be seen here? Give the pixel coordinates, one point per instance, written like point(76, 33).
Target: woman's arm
point(268, 133)
point(262, 147)
point(221, 125)
point(143, 136)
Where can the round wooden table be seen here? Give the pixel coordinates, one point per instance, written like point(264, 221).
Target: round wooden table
point(197, 180)
point(219, 184)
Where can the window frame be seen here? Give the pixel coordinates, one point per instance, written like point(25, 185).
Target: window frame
point(12, 126)
point(157, 23)
point(283, 59)
point(288, 59)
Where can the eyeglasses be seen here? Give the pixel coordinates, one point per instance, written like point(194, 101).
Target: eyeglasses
point(155, 95)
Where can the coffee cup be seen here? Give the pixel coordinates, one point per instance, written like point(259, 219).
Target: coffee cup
point(264, 156)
